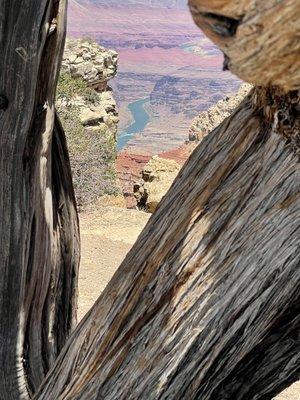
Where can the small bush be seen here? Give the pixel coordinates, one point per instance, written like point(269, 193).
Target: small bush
point(68, 88)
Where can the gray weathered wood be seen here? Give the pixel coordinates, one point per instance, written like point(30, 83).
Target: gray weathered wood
point(260, 39)
point(39, 238)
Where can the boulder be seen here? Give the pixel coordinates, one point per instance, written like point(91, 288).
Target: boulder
point(157, 177)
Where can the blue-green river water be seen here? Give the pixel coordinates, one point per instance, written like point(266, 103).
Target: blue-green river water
point(140, 120)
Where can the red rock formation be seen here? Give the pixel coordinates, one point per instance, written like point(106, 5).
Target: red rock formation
point(129, 167)
point(180, 154)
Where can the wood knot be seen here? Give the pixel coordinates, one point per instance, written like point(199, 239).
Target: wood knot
point(40, 109)
point(281, 110)
point(221, 25)
point(3, 102)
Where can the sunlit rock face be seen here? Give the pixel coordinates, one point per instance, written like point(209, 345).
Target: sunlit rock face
point(96, 66)
point(157, 177)
point(208, 120)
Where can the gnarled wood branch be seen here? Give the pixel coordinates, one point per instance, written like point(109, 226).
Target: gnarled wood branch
point(206, 304)
point(260, 39)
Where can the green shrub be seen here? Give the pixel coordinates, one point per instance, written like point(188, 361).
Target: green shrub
point(68, 88)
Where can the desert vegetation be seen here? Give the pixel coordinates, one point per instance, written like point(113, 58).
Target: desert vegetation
point(92, 151)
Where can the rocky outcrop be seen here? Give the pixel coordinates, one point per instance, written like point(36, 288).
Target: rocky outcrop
point(88, 63)
point(208, 120)
point(99, 115)
point(93, 63)
point(157, 177)
point(129, 168)
point(88, 112)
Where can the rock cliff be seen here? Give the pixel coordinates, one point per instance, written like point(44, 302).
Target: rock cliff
point(157, 177)
point(93, 63)
point(86, 61)
point(130, 165)
point(208, 120)
point(88, 111)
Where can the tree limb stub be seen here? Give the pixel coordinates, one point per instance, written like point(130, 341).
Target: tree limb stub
point(260, 38)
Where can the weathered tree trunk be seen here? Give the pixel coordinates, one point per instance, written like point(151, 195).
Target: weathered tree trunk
point(39, 237)
point(206, 304)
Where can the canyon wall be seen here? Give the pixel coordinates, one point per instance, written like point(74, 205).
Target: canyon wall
point(164, 60)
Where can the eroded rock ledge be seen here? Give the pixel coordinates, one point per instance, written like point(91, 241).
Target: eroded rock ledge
point(208, 120)
point(95, 64)
point(157, 177)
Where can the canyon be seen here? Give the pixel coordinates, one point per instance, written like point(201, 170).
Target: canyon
point(205, 305)
point(165, 62)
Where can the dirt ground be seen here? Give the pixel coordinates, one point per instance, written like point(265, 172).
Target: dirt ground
point(107, 234)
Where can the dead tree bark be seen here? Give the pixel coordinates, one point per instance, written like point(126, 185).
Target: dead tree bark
point(39, 240)
point(206, 304)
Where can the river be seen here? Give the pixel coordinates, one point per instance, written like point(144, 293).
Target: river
point(140, 120)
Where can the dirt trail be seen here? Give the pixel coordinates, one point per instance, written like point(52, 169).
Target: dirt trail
point(107, 234)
